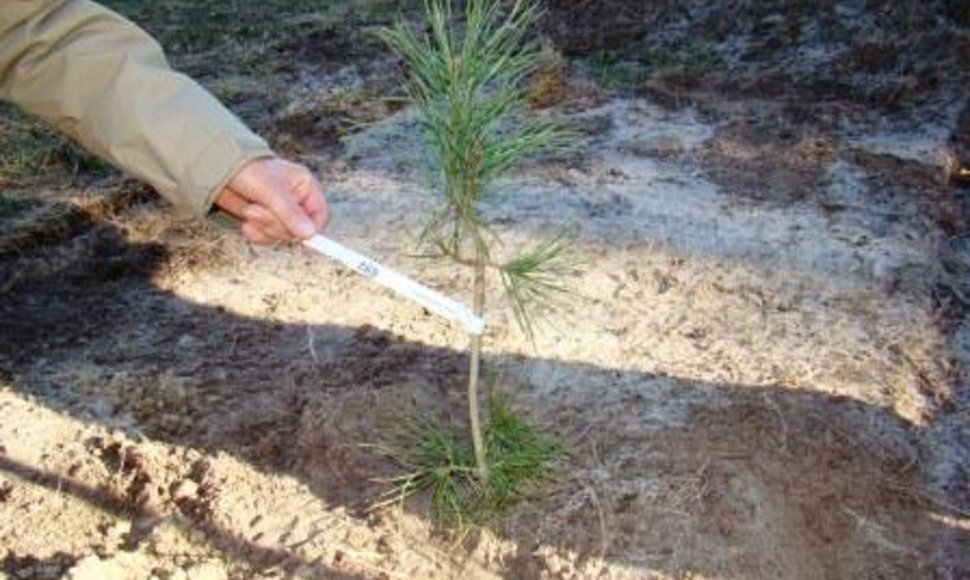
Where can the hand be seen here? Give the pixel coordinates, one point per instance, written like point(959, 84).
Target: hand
point(276, 200)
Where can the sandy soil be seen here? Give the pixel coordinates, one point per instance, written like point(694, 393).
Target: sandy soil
point(763, 374)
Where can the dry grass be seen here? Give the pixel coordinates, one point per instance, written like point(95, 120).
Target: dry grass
point(33, 154)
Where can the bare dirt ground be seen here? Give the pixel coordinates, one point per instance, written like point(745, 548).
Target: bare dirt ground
point(764, 374)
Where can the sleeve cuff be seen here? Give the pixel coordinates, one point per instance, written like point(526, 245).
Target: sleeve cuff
point(212, 169)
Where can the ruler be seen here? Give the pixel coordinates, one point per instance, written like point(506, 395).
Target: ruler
point(415, 291)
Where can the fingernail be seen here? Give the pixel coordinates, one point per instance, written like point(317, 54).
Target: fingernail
point(305, 228)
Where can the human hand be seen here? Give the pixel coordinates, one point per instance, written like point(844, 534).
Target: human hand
point(276, 200)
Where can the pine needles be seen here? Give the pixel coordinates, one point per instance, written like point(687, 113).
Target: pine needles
point(468, 82)
point(434, 456)
point(467, 77)
point(533, 281)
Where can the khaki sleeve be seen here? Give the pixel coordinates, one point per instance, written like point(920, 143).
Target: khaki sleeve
point(104, 82)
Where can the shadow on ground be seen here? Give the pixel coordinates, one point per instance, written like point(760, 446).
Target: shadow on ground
point(668, 476)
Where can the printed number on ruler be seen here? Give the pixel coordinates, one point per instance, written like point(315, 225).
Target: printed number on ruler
point(367, 269)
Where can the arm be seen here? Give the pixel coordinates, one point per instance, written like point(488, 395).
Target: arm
point(104, 82)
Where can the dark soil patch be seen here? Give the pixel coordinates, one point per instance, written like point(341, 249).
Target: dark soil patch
point(914, 190)
point(766, 159)
point(332, 46)
point(740, 462)
point(888, 54)
point(308, 131)
point(55, 295)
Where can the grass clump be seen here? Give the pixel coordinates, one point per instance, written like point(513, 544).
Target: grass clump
point(436, 457)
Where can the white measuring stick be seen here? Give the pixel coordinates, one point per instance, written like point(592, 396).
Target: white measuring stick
point(430, 299)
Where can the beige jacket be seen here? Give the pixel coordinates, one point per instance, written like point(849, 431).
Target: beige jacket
point(104, 82)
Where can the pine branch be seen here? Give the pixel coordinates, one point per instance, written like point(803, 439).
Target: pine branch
point(533, 281)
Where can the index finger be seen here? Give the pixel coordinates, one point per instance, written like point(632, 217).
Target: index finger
point(315, 204)
point(291, 214)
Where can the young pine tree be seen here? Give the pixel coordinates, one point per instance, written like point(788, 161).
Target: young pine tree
point(468, 78)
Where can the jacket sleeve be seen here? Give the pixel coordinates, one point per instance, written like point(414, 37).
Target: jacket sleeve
point(105, 83)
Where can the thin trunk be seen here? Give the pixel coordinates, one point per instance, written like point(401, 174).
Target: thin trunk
point(474, 413)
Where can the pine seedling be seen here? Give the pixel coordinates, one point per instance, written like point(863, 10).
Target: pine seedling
point(468, 79)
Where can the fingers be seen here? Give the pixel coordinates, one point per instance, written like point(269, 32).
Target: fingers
point(266, 221)
point(314, 202)
point(232, 202)
point(317, 208)
point(288, 212)
point(259, 226)
point(255, 235)
point(289, 193)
